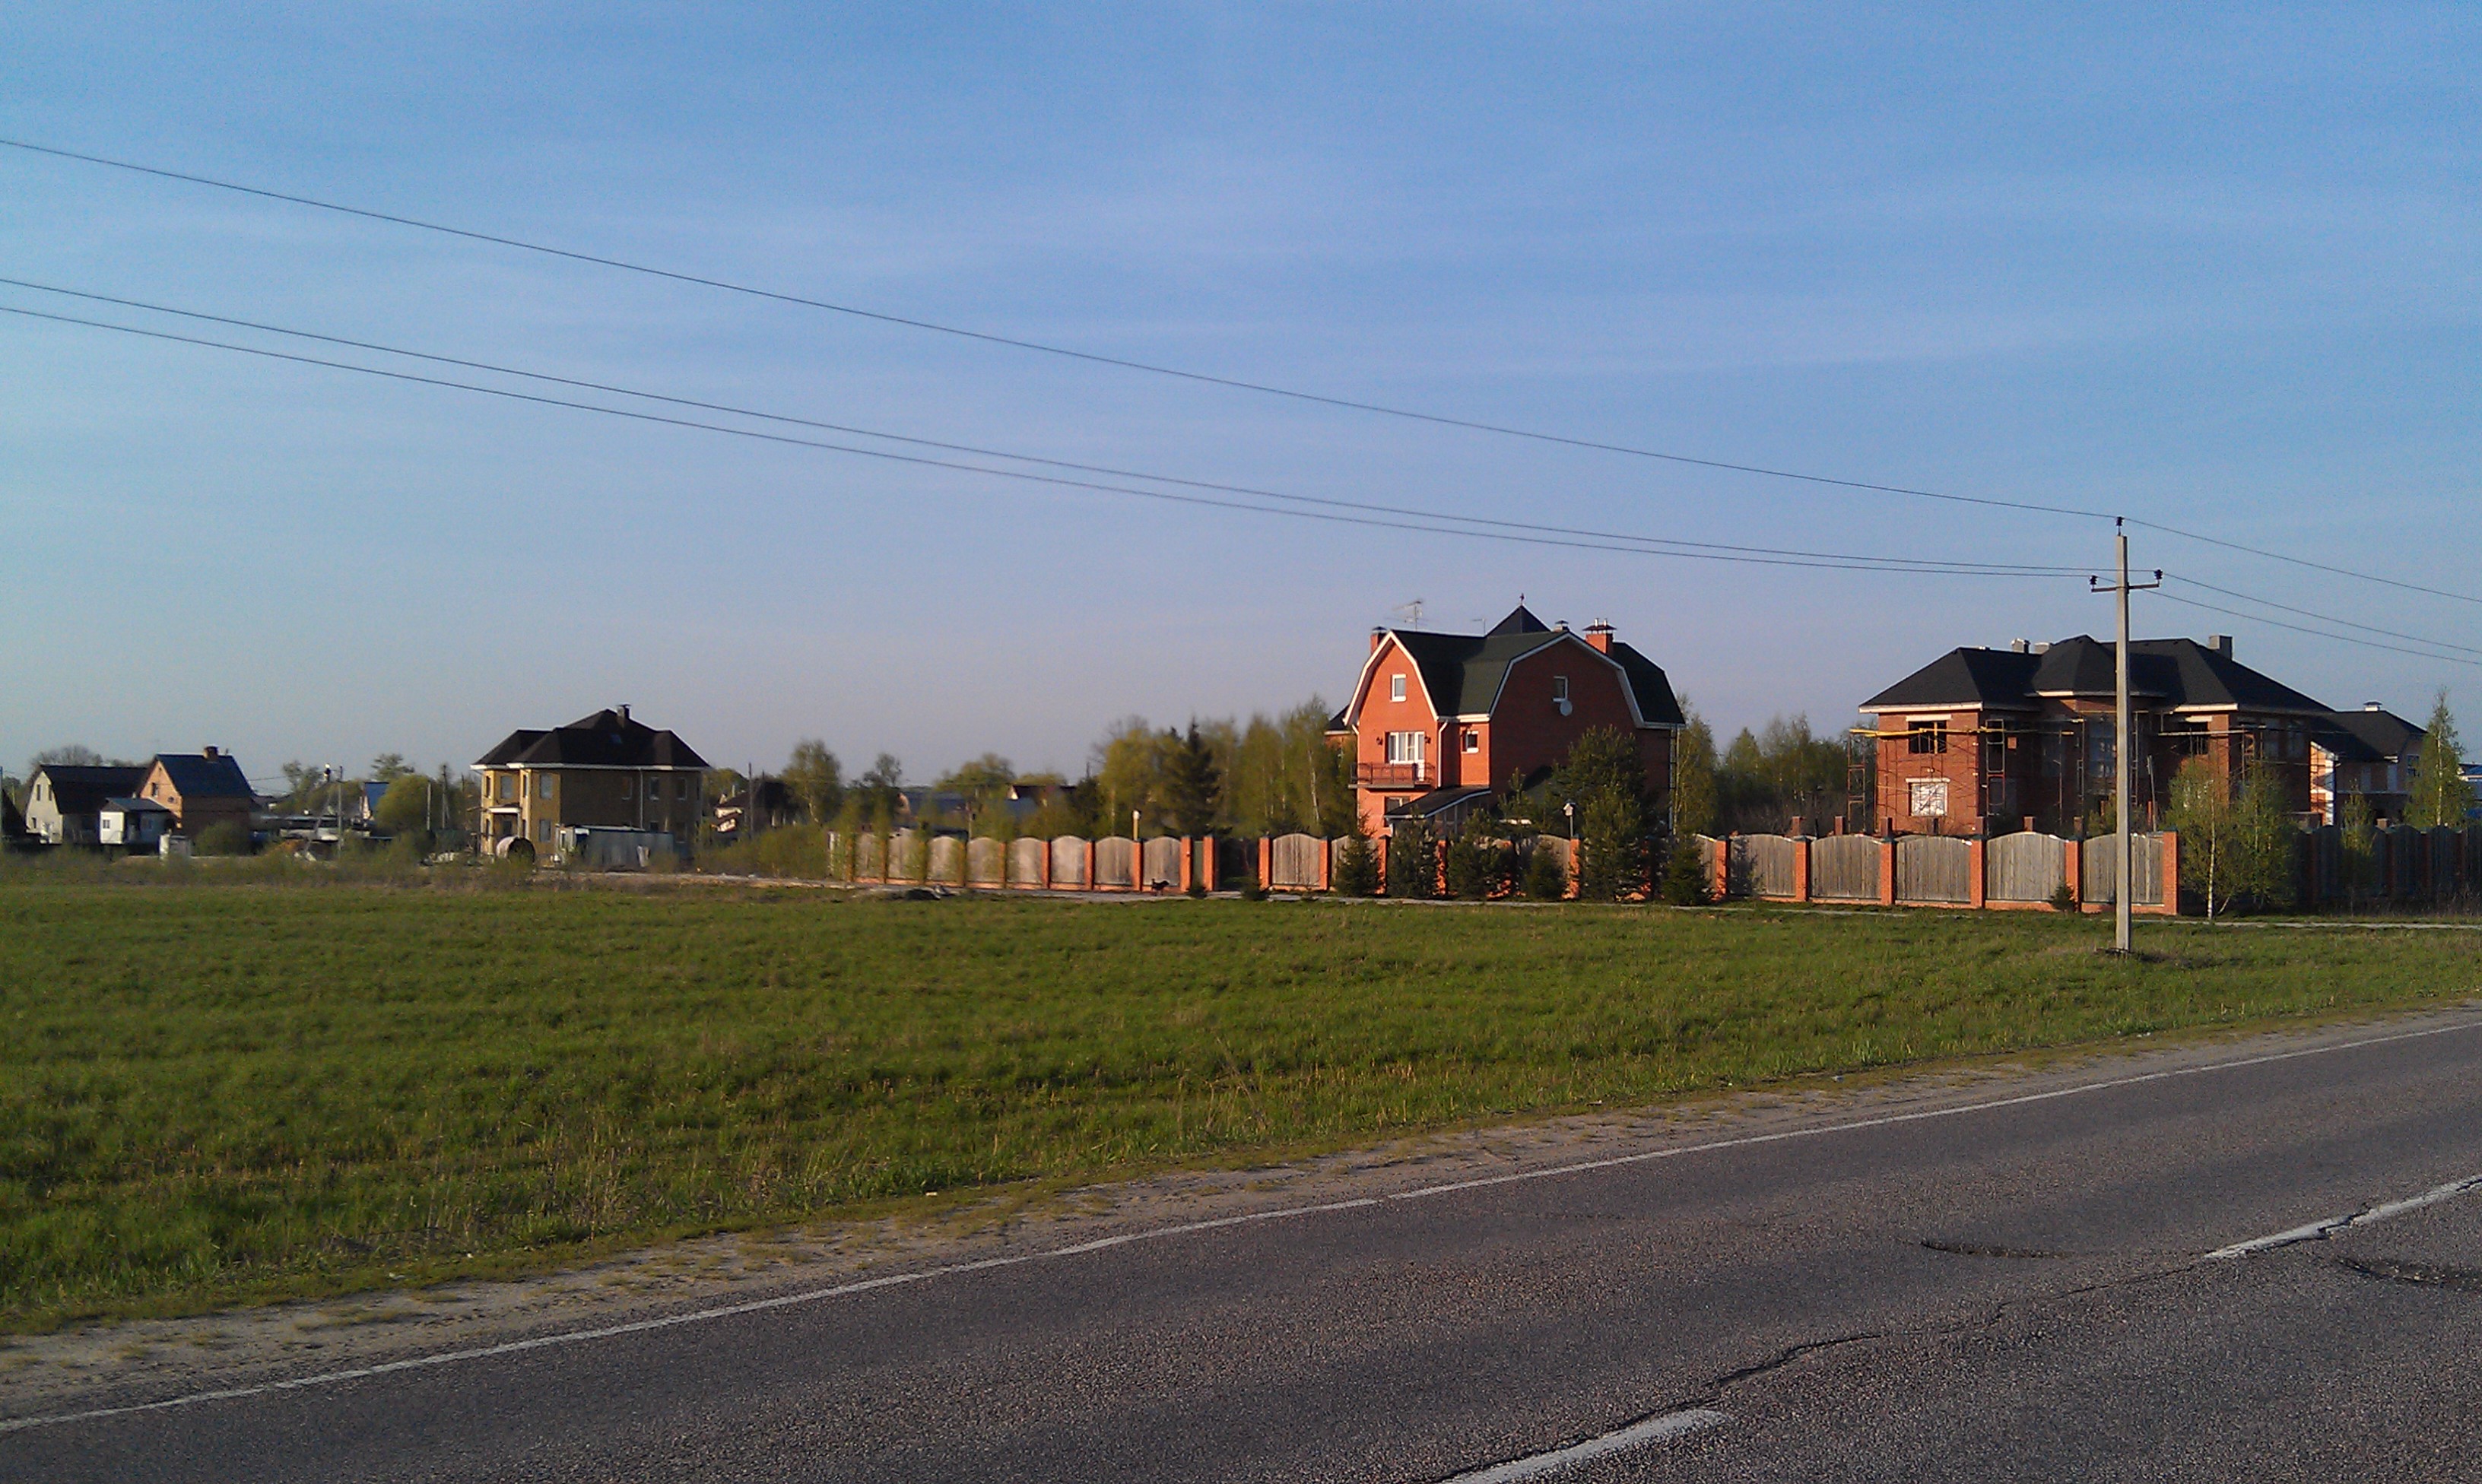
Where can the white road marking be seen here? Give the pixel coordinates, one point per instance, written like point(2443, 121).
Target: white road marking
point(1157, 1233)
point(1637, 1435)
point(2317, 1229)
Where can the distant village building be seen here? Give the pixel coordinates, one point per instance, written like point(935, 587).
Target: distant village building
point(606, 770)
point(202, 789)
point(1442, 722)
point(1987, 741)
point(65, 801)
point(133, 824)
point(2372, 753)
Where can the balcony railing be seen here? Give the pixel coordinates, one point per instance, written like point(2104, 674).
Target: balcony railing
point(1393, 775)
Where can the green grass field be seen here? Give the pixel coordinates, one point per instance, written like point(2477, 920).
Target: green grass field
point(216, 1091)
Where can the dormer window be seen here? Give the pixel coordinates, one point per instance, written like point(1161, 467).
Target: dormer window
point(1395, 688)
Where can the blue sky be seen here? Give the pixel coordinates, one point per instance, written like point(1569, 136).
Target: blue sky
point(2222, 270)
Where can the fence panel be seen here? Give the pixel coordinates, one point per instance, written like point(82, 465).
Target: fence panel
point(1763, 865)
point(870, 858)
point(2029, 866)
point(905, 856)
point(1068, 862)
point(947, 861)
point(1293, 862)
point(1844, 867)
point(1025, 861)
point(986, 862)
point(1934, 868)
point(1116, 862)
point(1161, 858)
point(2445, 849)
point(2101, 871)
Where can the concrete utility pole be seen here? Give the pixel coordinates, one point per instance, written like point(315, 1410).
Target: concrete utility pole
point(2120, 745)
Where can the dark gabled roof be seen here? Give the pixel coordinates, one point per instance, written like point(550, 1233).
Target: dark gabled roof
point(1653, 688)
point(195, 775)
point(13, 820)
point(134, 805)
point(2368, 736)
point(1463, 671)
point(2173, 672)
point(608, 739)
point(1965, 677)
point(1438, 801)
point(82, 790)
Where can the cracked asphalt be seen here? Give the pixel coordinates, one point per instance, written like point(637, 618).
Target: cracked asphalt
point(2020, 1291)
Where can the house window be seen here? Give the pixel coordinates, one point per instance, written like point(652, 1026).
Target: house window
point(1560, 689)
point(1928, 797)
point(1395, 688)
point(1405, 749)
point(2190, 738)
point(680, 788)
point(1923, 738)
point(1473, 741)
point(546, 786)
point(1994, 752)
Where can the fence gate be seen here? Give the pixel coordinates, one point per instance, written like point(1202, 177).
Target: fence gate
point(1934, 868)
point(1293, 862)
point(1763, 865)
point(1844, 867)
point(2030, 866)
point(1161, 858)
point(2146, 877)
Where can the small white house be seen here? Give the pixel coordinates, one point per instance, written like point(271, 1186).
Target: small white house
point(132, 823)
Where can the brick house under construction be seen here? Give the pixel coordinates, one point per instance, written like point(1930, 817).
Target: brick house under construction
point(1441, 722)
point(1990, 740)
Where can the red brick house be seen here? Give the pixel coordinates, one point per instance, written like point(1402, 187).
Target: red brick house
point(1440, 722)
point(1985, 741)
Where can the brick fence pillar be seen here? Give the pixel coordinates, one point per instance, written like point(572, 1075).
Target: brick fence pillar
point(1266, 861)
point(2072, 862)
point(1977, 889)
point(1722, 868)
point(2170, 846)
point(1800, 871)
point(1887, 870)
point(1188, 861)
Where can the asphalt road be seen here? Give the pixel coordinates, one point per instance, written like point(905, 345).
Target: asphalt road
point(2020, 1290)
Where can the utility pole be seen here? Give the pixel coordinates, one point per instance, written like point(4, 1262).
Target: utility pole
point(2122, 855)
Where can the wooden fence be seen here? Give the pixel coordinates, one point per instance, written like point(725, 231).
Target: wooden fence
point(2022, 870)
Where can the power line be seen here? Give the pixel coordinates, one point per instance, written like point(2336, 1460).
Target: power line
point(2286, 608)
point(1236, 383)
point(2342, 639)
point(1896, 562)
point(1038, 346)
point(1647, 546)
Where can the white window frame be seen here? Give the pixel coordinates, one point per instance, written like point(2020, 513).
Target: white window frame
point(1405, 749)
point(1395, 688)
point(1919, 790)
point(1473, 739)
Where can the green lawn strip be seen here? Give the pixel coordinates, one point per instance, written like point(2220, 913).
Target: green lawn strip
point(219, 1092)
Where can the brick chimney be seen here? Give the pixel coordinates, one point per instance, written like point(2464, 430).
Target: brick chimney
point(2220, 643)
point(1599, 635)
point(1378, 637)
point(209, 753)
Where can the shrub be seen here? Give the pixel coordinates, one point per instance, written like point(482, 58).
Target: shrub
point(1688, 874)
point(1413, 860)
point(1612, 847)
point(1476, 864)
point(226, 837)
point(1356, 868)
point(1253, 891)
point(2063, 900)
point(1547, 873)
